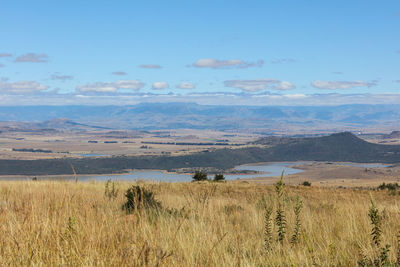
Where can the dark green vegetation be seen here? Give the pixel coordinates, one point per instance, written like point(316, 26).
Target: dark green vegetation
point(389, 186)
point(32, 150)
point(199, 176)
point(337, 147)
point(381, 253)
point(306, 183)
point(219, 177)
point(139, 198)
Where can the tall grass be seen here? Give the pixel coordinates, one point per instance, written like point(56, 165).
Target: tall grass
point(47, 223)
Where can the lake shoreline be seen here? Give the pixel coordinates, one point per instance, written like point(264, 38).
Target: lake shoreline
point(260, 170)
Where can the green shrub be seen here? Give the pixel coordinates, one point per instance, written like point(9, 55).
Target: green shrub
point(199, 176)
point(140, 198)
point(297, 225)
point(389, 186)
point(381, 254)
point(219, 178)
point(306, 183)
point(110, 191)
point(280, 219)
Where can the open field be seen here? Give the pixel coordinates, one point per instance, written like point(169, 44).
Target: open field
point(64, 223)
point(66, 143)
point(330, 174)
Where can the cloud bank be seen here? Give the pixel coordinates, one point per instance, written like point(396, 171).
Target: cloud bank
point(259, 99)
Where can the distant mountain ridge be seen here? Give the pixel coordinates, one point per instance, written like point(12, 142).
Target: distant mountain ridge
point(147, 116)
point(65, 123)
point(58, 124)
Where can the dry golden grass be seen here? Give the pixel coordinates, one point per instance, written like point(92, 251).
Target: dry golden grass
point(48, 223)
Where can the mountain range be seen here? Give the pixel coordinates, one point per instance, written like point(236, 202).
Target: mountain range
point(146, 116)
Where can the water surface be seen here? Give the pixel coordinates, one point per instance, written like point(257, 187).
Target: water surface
point(263, 170)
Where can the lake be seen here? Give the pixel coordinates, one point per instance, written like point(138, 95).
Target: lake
point(270, 169)
point(264, 170)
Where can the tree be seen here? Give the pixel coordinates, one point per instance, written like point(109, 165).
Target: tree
point(219, 178)
point(199, 176)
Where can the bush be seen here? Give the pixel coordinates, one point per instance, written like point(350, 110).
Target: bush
point(306, 183)
point(389, 186)
point(219, 178)
point(199, 176)
point(140, 198)
point(110, 190)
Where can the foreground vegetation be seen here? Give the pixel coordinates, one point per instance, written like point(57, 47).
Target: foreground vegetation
point(194, 224)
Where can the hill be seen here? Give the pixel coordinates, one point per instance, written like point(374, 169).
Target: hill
point(393, 135)
point(336, 147)
point(54, 125)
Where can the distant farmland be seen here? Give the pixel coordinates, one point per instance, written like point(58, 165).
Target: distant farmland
point(336, 147)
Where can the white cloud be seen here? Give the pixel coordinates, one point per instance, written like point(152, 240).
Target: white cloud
point(110, 87)
point(129, 84)
point(295, 96)
point(334, 85)
point(61, 77)
point(284, 85)
point(185, 85)
point(22, 87)
point(283, 60)
point(119, 73)
point(259, 85)
point(1, 65)
point(98, 87)
point(32, 57)
point(150, 66)
point(160, 85)
point(221, 64)
point(5, 55)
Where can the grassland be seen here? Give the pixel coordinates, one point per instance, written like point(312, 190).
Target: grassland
point(57, 223)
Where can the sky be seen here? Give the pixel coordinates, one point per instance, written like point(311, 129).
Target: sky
point(298, 52)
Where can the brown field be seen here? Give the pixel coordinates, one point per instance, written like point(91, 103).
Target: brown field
point(323, 174)
point(74, 143)
point(75, 224)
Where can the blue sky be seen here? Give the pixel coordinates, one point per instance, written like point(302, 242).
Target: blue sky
point(91, 52)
